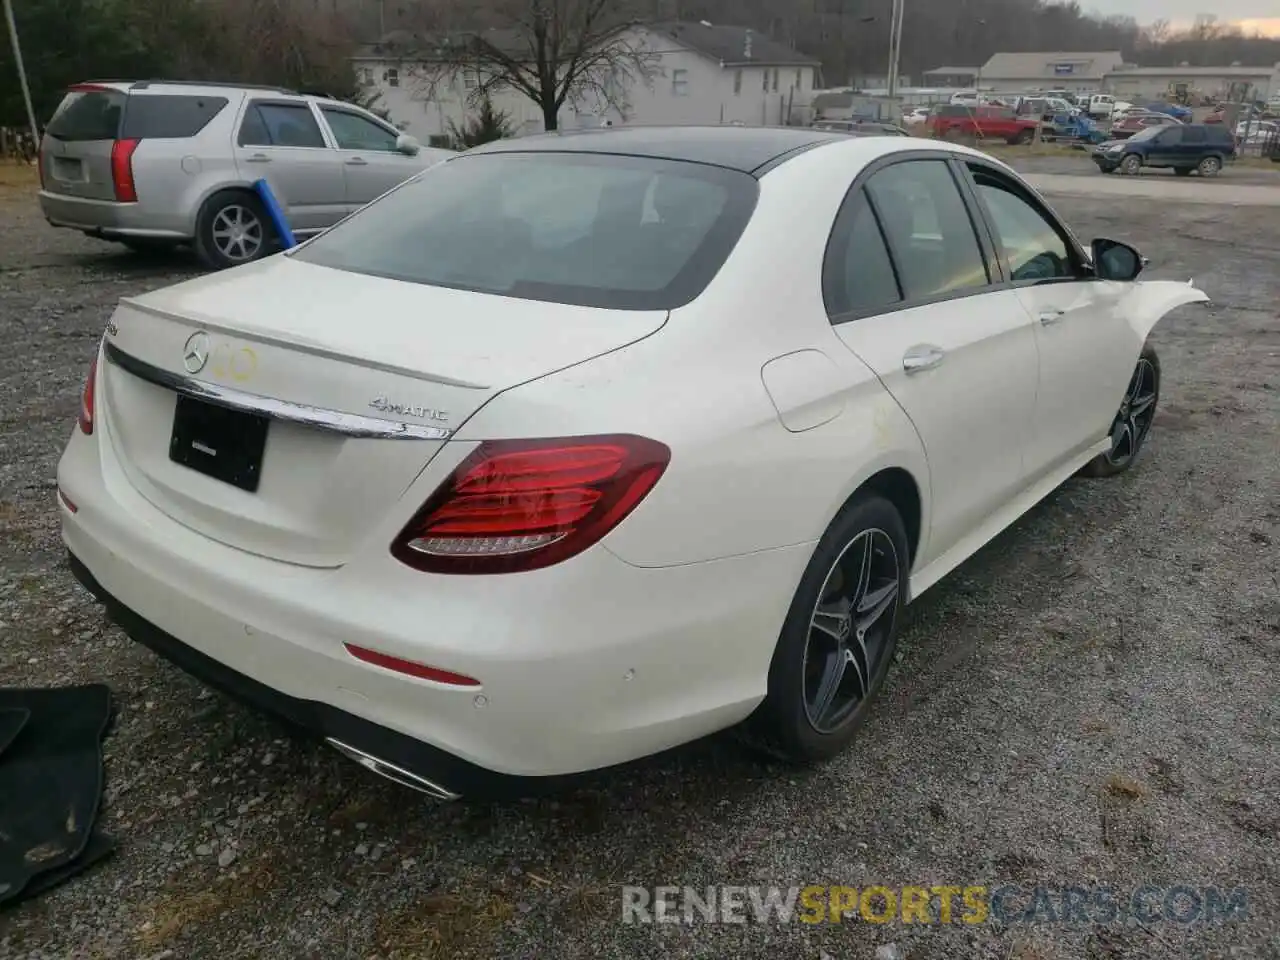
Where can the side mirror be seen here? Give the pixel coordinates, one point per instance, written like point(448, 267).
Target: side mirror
point(1113, 260)
point(407, 145)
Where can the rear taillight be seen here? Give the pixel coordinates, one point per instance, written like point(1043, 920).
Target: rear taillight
point(517, 505)
point(87, 398)
point(122, 170)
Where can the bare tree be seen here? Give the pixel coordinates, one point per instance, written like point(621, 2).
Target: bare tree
point(552, 51)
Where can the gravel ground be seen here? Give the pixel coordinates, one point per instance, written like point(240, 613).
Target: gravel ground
point(1092, 699)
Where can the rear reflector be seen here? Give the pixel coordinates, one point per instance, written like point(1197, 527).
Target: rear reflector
point(67, 501)
point(122, 170)
point(409, 667)
point(516, 505)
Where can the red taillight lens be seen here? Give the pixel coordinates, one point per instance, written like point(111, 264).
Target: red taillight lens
point(517, 505)
point(122, 170)
point(86, 399)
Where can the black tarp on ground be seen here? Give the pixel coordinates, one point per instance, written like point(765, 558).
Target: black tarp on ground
point(51, 782)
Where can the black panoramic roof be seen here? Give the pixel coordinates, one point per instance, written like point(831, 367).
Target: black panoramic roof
point(748, 149)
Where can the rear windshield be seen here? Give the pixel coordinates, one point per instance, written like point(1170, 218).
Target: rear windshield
point(624, 233)
point(88, 114)
point(153, 116)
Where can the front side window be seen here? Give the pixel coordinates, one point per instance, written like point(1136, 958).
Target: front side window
point(930, 234)
point(354, 132)
point(680, 83)
point(280, 125)
point(1034, 248)
point(605, 231)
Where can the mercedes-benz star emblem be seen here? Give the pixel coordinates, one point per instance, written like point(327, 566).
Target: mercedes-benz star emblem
point(196, 353)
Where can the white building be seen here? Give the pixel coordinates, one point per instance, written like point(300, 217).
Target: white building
point(693, 73)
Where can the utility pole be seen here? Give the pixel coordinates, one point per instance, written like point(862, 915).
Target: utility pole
point(895, 45)
point(22, 73)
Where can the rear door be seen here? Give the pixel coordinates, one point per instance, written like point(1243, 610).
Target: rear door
point(77, 145)
point(371, 164)
point(281, 141)
point(908, 288)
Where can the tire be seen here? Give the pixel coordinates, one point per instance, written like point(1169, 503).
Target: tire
point(1210, 166)
point(1130, 428)
point(1131, 164)
point(1024, 137)
point(221, 212)
point(785, 723)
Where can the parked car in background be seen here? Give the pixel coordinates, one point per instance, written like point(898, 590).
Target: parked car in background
point(915, 117)
point(1136, 120)
point(1175, 110)
point(1257, 131)
point(953, 121)
point(158, 163)
point(1182, 147)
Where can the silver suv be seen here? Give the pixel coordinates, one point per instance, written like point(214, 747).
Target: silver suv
point(159, 163)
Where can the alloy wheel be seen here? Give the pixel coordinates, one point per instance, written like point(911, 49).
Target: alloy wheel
point(237, 233)
point(850, 630)
point(1137, 411)
point(1209, 166)
point(1131, 164)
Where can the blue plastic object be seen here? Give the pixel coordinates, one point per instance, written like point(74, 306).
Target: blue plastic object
point(276, 213)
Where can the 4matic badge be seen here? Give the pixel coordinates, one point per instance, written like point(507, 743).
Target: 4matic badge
point(383, 405)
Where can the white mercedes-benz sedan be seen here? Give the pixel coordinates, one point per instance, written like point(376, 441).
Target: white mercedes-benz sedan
point(574, 448)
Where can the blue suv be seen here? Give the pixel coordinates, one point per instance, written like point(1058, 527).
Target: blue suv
point(1203, 147)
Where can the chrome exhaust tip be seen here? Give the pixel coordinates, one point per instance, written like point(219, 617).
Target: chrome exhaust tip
point(389, 770)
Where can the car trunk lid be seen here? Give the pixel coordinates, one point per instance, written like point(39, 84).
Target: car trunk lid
point(364, 378)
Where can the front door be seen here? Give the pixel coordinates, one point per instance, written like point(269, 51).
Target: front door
point(280, 141)
point(1166, 147)
point(1085, 350)
point(909, 291)
point(371, 164)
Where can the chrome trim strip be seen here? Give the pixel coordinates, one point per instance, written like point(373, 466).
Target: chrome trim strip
point(334, 421)
point(399, 775)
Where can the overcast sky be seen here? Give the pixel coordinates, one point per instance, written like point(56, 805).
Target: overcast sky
point(1176, 10)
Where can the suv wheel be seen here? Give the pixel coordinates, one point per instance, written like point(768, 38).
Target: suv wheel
point(232, 229)
point(1131, 164)
point(1210, 167)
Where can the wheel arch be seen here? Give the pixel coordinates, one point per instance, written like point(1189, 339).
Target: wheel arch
point(899, 486)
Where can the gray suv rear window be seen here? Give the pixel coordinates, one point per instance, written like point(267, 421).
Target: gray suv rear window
point(623, 233)
point(88, 114)
point(161, 116)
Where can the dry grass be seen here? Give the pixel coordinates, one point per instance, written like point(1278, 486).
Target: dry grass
point(172, 913)
point(17, 177)
point(1118, 785)
point(441, 926)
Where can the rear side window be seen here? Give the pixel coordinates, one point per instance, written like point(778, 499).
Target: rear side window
point(857, 274)
point(1194, 135)
point(88, 113)
point(279, 125)
point(163, 116)
point(930, 233)
point(623, 233)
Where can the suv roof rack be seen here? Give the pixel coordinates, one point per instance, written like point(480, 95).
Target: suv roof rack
point(144, 84)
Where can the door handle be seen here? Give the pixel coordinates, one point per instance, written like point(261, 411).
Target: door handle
point(357, 162)
point(1051, 316)
point(258, 158)
point(918, 359)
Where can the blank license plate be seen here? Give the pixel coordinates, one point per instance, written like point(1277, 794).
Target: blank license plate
point(224, 444)
point(68, 168)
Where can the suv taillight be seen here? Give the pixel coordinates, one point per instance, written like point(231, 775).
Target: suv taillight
point(516, 505)
point(87, 398)
point(122, 170)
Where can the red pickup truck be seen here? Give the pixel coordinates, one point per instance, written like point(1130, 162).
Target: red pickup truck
point(954, 120)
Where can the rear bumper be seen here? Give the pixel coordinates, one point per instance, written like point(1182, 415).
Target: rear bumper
point(439, 773)
point(583, 666)
point(102, 218)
